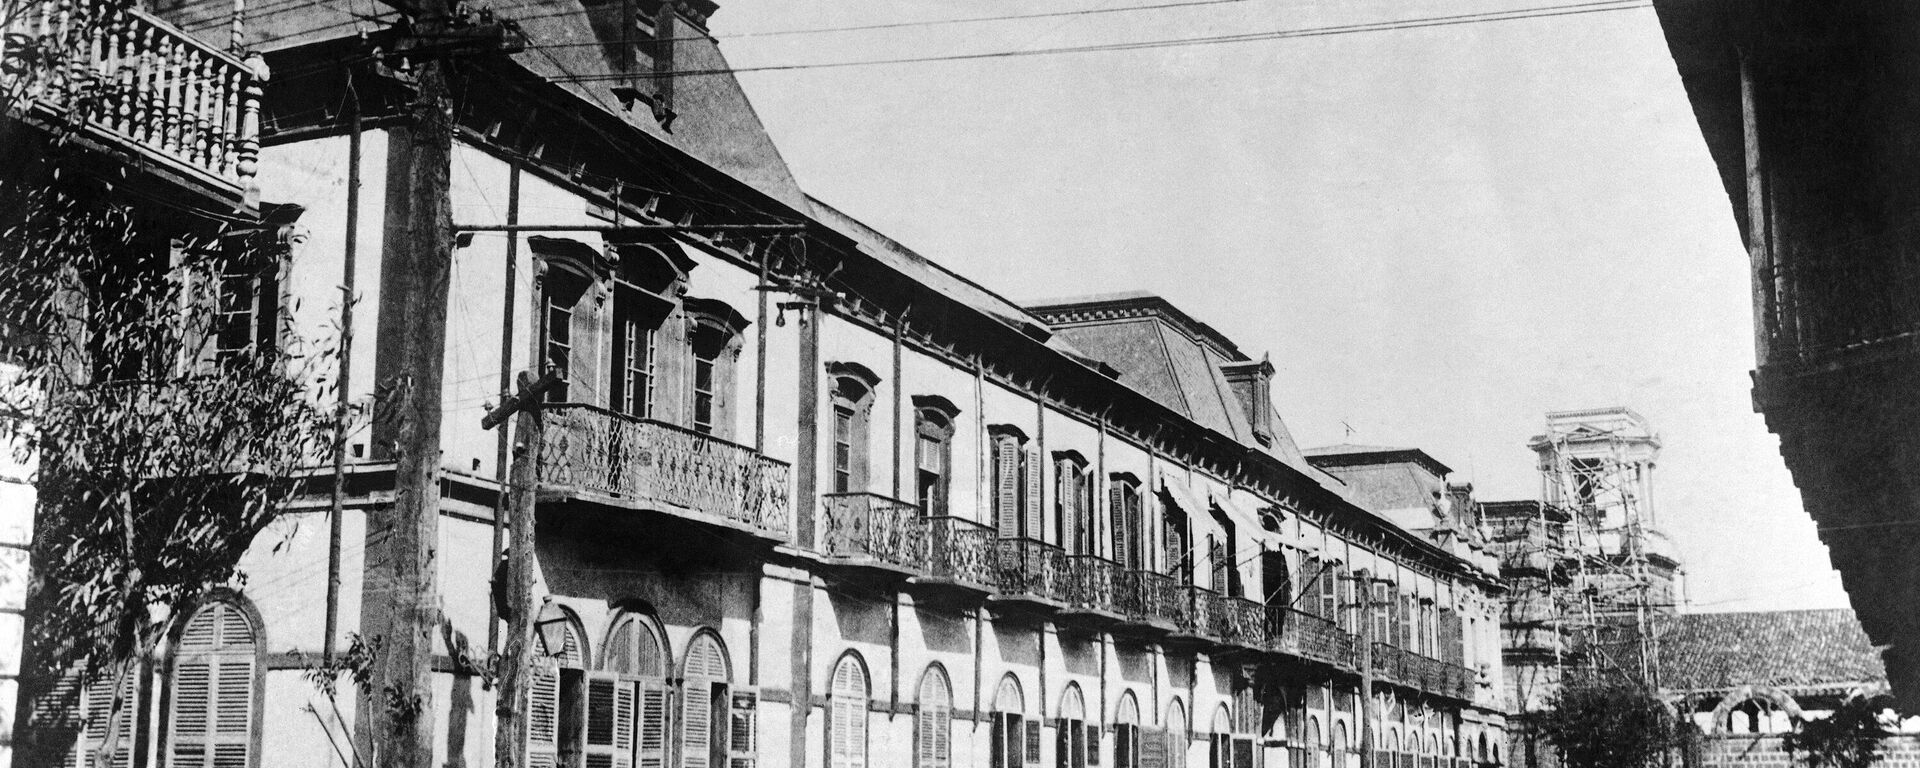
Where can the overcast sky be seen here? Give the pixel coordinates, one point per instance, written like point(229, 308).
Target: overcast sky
point(1439, 234)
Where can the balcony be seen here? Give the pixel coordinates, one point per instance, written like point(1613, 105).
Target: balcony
point(1237, 621)
point(1414, 671)
point(1030, 574)
point(960, 557)
point(1198, 629)
point(867, 530)
point(1093, 585)
point(609, 458)
point(1306, 636)
point(131, 82)
point(1154, 603)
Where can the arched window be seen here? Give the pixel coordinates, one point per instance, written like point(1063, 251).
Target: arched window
point(847, 714)
point(554, 732)
point(1016, 740)
point(1177, 737)
point(852, 398)
point(1126, 732)
point(933, 720)
point(1338, 750)
point(1073, 503)
point(933, 453)
point(1074, 740)
point(212, 708)
point(1316, 750)
point(1126, 508)
point(1220, 741)
point(628, 701)
point(705, 675)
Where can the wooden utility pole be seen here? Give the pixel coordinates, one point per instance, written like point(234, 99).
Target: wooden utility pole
point(401, 596)
point(516, 594)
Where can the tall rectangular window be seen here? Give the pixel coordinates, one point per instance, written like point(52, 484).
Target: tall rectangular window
point(842, 449)
point(703, 392)
point(563, 293)
point(243, 326)
point(930, 483)
point(634, 383)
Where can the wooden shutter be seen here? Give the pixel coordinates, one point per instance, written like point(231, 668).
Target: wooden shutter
point(102, 716)
point(543, 715)
point(1031, 738)
point(933, 724)
point(654, 704)
point(696, 723)
point(212, 712)
point(610, 720)
point(743, 729)
point(1217, 564)
point(1118, 530)
point(1035, 476)
point(847, 716)
point(1153, 748)
point(1093, 744)
point(1006, 480)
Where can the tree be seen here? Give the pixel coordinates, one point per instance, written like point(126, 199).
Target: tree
point(1848, 738)
point(164, 426)
point(1600, 721)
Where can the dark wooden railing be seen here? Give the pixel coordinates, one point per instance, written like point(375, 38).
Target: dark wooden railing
point(1031, 569)
point(961, 551)
point(660, 465)
point(873, 528)
point(132, 79)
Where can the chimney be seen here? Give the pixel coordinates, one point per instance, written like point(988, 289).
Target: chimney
point(1252, 383)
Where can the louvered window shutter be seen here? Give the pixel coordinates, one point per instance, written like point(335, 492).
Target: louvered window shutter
point(696, 723)
point(1035, 523)
point(102, 718)
point(1117, 519)
point(847, 716)
point(1093, 744)
point(610, 711)
point(654, 704)
point(212, 717)
point(1006, 479)
point(743, 729)
point(1153, 748)
point(932, 726)
point(543, 714)
point(1032, 740)
point(1217, 563)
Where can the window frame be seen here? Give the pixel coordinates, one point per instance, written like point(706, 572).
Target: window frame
point(840, 714)
point(934, 424)
point(228, 600)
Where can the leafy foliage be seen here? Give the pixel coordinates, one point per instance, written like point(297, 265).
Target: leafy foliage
point(1607, 722)
point(1849, 738)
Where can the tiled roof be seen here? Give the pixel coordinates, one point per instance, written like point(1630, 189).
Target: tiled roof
point(1792, 649)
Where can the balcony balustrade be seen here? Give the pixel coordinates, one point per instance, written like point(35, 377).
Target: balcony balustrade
point(961, 553)
point(131, 80)
point(655, 465)
point(1202, 604)
point(1239, 621)
point(1031, 571)
point(1153, 600)
point(874, 530)
point(1412, 670)
point(1307, 636)
point(1093, 585)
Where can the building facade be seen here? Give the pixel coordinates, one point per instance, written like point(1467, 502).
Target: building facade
point(800, 496)
point(1805, 108)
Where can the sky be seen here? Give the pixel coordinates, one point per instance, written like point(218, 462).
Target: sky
point(1438, 234)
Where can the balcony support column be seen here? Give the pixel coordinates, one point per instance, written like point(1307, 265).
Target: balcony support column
point(1759, 227)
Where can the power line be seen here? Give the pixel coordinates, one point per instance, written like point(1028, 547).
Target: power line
point(908, 24)
point(1536, 12)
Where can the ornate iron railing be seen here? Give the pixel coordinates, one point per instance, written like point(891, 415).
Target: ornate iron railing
point(1152, 598)
point(961, 551)
point(1308, 636)
point(1412, 670)
point(1239, 621)
point(1202, 604)
point(1817, 303)
point(595, 450)
point(1029, 568)
point(1092, 583)
point(874, 528)
point(133, 79)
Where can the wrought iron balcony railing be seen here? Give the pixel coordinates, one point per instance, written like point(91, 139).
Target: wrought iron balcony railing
point(1031, 569)
point(662, 466)
point(1154, 599)
point(961, 551)
point(130, 79)
point(1412, 670)
point(1202, 604)
point(1239, 621)
point(1816, 304)
point(1093, 583)
point(1308, 636)
point(871, 528)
